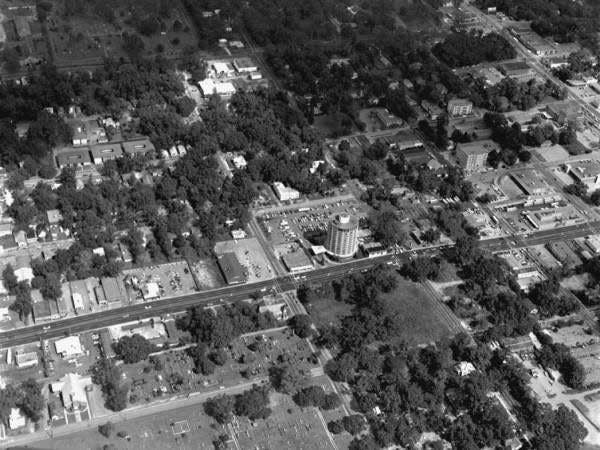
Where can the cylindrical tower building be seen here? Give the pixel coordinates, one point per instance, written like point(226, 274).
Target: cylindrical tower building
point(342, 236)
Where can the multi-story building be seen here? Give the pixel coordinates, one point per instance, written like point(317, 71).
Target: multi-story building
point(342, 236)
point(473, 155)
point(459, 107)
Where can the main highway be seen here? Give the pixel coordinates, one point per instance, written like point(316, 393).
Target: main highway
point(140, 311)
point(234, 293)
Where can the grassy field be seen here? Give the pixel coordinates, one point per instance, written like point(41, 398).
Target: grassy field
point(417, 313)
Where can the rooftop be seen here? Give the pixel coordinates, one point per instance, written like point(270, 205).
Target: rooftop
point(231, 268)
point(478, 147)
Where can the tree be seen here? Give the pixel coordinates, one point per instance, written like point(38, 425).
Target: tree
point(108, 376)
point(106, 429)
point(220, 408)
point(133, 349)
point(578, 188)
point(253, 403)
point(32, 400)
point(354, 424)
point(386, 226)
point(335, 426)
point(287, 378)
point(558, 429)
point(9, 279)
point(302, 325)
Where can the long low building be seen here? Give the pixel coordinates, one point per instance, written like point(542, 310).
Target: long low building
point(100, 153)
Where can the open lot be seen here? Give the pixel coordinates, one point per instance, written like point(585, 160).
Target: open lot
point(173, 279)
point(207, 274)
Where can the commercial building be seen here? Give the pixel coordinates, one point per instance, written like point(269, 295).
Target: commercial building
point(68, 347)
point(245, 65)
point(587, 172)
point(210, 87)
point(297, 261)
point(518, 70)
point(232, 270)
point(285, 193)
point(45, 311)
point(386, 119)
point(137, 147)
point(223, 69)
point(473, 155)
point(459, 107)
point(74, 158)
point(106, 152)
point(111, 289)
point(374, 249)
point(342, 236)
point(25, 359)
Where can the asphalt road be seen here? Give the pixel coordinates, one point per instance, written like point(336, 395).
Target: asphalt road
point(172, 305)
point(213, 297)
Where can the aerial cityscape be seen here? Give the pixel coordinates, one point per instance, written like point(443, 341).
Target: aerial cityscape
point(316, 224)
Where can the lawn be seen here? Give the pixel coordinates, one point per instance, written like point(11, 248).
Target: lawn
point(418, 314)
point(328, 311)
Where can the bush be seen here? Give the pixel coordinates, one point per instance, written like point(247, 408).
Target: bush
point(335, 427)
point(106, 430)
point(354, 424)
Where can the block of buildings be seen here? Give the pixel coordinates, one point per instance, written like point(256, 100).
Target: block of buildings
point(473, 155)
point(45, 310)
point(459, 107)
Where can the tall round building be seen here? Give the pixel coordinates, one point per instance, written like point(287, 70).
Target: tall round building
point(342, 236)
